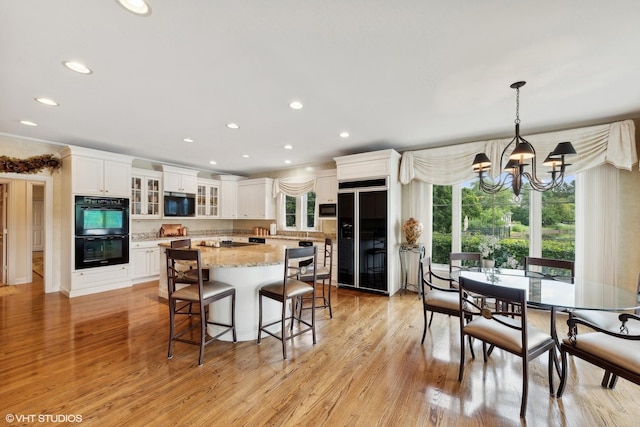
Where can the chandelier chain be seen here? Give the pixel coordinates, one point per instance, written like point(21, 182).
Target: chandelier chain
point(517, 120)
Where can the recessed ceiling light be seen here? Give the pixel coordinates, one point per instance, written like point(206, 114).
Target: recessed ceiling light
point(246, 156)
point(233, 126)
point(213, 162)
point(288, 147)
point(139, 7)
point(77, 67)
point(47, 101)
point(188, 140)
point(287, 161)
point(28, 123)
point(344, 134)
point(296, 105)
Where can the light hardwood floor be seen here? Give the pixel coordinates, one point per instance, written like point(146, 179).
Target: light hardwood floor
point(103, 357)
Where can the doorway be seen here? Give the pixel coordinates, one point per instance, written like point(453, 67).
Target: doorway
point(37, 230)
point(26, 212)
point(3, 228)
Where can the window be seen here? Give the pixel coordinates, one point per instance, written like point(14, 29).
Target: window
point(442, 218)
point(558, 222)
point(300, 211)
point(506, 220)
point(290, 211)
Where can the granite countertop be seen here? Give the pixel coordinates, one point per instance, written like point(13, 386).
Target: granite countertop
point(246, 256)
point(197, 237)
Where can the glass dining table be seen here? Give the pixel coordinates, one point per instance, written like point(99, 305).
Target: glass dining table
point(557, 293)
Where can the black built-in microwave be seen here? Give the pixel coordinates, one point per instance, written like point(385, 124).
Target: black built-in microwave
point(327, 210)
point(179, 204)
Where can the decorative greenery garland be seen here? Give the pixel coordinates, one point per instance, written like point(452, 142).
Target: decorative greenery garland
point(30, 165)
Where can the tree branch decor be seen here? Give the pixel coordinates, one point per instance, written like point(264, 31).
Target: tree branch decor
point(29, 165)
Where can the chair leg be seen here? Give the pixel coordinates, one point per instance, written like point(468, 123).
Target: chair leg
point(461, 371)
point(424, 332)
point(614, 380)
point(259, 317)
point(313, 315)
point(605, 379)
point(431, 319)
point(283, 329)
point(525, 386)
point(172, 316)
point(294, 303)
point(329, 294)
point(563, 375)
point(203, 331)
point(552, 361)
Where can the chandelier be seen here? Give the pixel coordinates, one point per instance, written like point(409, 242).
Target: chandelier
point(514, 173)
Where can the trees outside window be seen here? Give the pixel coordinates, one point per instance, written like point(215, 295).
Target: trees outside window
point(290, 211)
point(506, 218)
point(300, 212)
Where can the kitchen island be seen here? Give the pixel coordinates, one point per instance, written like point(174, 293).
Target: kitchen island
point(246, 268)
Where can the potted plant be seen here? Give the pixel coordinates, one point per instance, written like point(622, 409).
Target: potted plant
point(487, 247)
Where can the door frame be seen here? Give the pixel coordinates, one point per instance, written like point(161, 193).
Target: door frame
point(10, 243)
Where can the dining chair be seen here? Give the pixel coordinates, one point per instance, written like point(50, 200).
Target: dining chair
point(618, 353)
point(323, 273)
point(556, 269)
point(606, 319)
point(609, 320)
point(201, 294)
point(436, 298)
point(465, 261)
point(286, 291)
point(502, 326)
point(192, 275)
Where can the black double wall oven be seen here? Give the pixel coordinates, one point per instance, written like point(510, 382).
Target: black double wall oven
point(101, 231)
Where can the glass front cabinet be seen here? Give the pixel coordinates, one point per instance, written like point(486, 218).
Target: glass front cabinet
point(208, 198)
point(146, 194)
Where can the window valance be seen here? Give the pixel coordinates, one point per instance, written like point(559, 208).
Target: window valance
point(296, 186)
point(596, 145)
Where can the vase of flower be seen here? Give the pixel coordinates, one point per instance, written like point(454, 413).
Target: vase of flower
point(487, 247)
point(488, 263)
point(412, 229)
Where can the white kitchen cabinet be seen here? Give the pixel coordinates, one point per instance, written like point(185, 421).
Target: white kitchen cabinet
point(180, 180)
point(228, 196)
point(146, 194)
point(93, 174)
point(145, 261)
point(99, 279)
point(327, 188)
point(208, 198)
point(255, 199)
point(88, 172)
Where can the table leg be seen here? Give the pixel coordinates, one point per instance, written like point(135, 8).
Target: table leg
point(554, 335)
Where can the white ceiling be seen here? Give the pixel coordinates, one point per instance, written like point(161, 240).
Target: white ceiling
point(401, 74)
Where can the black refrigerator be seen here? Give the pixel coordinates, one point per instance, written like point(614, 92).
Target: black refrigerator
point(362, 235)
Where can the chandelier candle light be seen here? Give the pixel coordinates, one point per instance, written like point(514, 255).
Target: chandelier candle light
point(523, 151)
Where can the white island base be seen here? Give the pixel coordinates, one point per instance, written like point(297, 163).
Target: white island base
point(247, 281)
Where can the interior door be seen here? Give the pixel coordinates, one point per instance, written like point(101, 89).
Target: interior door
point(38, 225)
point(3, 232)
